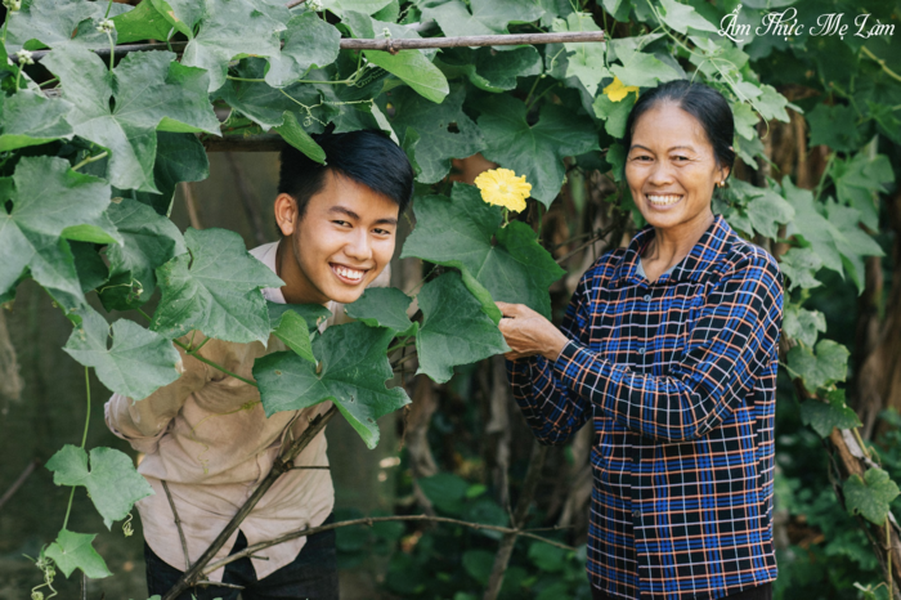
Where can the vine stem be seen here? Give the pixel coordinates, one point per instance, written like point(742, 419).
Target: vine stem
point(283, 464)
point(372, 520)
point(84, 439)
point(90, 159)
point(193, 352)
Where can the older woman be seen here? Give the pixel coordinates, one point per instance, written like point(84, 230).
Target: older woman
point(669, 349)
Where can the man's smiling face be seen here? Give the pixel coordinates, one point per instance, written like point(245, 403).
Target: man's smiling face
point(340, 244)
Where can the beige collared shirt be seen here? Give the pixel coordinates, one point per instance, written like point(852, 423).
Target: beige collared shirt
point(207, 436)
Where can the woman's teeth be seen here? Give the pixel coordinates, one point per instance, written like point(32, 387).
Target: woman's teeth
point(658, 200)
point(349, 273)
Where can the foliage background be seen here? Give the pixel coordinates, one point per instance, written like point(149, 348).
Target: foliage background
point(818, 135)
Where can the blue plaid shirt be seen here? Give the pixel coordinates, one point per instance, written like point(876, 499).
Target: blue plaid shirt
point(678, 378)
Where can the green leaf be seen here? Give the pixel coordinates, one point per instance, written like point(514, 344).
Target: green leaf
point(535, 151)
point(802, 324)
point(815, 230)
point(487, 16)
point(150, 240)
point(437, 145)
point(478, 564)
point(313, 314)
point(585, 61)
point(143, 22)
point(294, 331)
point(445, 490)
point(824, 416)
point(681, 17)
point(614, 114)
point(59, 24)
point(489, 70)
point(644, 70)
point(765, 209)
point(829, 365)
point(215, 288)
point(354, 368)
point(834, 126)
point(73, 551)
point(800, 265)
point(414, 69)
point(30, 119)
point(454, 330)
point(179, 157)
point(852, 242)
point(152, 92)
point(221, 30)
point(870, 497)
point(112, 481)
point(309, 42)
point(547, 558)
point(461, 231)
point(383, 307)
point(297, 136)
point(859, 180)
point(367, 7)
point(48, 199)
point(135, 365)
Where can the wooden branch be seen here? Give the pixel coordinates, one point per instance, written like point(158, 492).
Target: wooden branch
point(181, 531)
point(28, 470)
point(282, 464)
point(502, 558)
point(248, 551)
point(392, 45)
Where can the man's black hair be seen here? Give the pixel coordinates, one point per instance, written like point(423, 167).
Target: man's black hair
point(368, 157)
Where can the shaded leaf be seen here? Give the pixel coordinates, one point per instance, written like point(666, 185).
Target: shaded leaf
point(29, 119)
point(353, 371)
point(73, 551)
point(822, 417)
point(214, 288)
point(445, 490)
point(489, 70)
point(644, 70)
point(828, 365)
point(834, 126)
point(48, 199)
point(461, 231)
point(587, 62)
point(800, 265)
point(309, 42)
point(60, 24)
point(802, 324)
point(297, 136)
point(294, 331)
point(535, 151)
point(143, 22)
point(454, 330)
point(486, 16)
point(112, 481)
point(681, 17)
point(859, 180)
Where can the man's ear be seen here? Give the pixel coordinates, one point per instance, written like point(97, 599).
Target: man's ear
point(286, 213)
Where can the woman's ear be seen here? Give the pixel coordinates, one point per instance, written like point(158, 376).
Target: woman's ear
point(286, 213)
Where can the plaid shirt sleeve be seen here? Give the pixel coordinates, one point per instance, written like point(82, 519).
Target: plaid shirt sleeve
point(734, 336)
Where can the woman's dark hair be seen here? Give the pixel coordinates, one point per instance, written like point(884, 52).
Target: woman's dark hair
point(704, 103)
point(368, 157)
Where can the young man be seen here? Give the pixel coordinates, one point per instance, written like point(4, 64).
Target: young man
point(206, 439)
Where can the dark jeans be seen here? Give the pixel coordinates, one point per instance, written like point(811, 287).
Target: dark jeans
point(313, 575)
point(762, 592)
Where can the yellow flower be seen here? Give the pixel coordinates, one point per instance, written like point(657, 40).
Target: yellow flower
point(616, 91)
point(503, 188)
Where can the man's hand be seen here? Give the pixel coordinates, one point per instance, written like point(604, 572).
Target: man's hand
point(528, 333)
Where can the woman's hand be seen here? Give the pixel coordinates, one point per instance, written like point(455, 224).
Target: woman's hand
point(528, 333)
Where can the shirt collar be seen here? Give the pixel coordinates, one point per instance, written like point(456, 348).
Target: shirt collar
point(699, 262)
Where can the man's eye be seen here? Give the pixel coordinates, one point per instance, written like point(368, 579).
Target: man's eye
point(341, 223)
point(382, 232)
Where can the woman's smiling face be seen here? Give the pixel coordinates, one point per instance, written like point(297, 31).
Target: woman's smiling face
point(671, 170)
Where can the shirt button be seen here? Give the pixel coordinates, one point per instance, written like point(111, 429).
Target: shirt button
point(636, 513)
point(647, 297)
point(641, 350)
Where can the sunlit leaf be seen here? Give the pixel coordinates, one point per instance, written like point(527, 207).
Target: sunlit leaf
point(73, 551)
point(382, 307)
point(29, 119)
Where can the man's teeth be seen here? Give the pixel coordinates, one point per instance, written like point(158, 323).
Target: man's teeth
point(349, 273)
point(659, 200)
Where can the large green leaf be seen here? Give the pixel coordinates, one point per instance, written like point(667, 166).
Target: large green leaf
point(73, 551)
point(60, 24)
point(486, 16)
point(309, 42)
point(802, 324)
point(681, 17)
point(383, 307)
point(852, 242)
point(136, 363)
point(821, 369)
point(445, 132)
point(368, 7)
point(644, 70)
point(455, 330)
point(28, 119)
point(463, 231)
point(824, 416)
point(536, 151)
point(834, 126)
point(859, 180)
point(215, 288)
point(150, 240)
point(149, 91)
point(352, 370)
point(49, 201)
point(143, 22)
point(179, 157)
point(870, 497)
point(759, 210)
point(489, 70)
point(112, 481)
point(221, 30)
point(799, 265)
point(585, 61)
